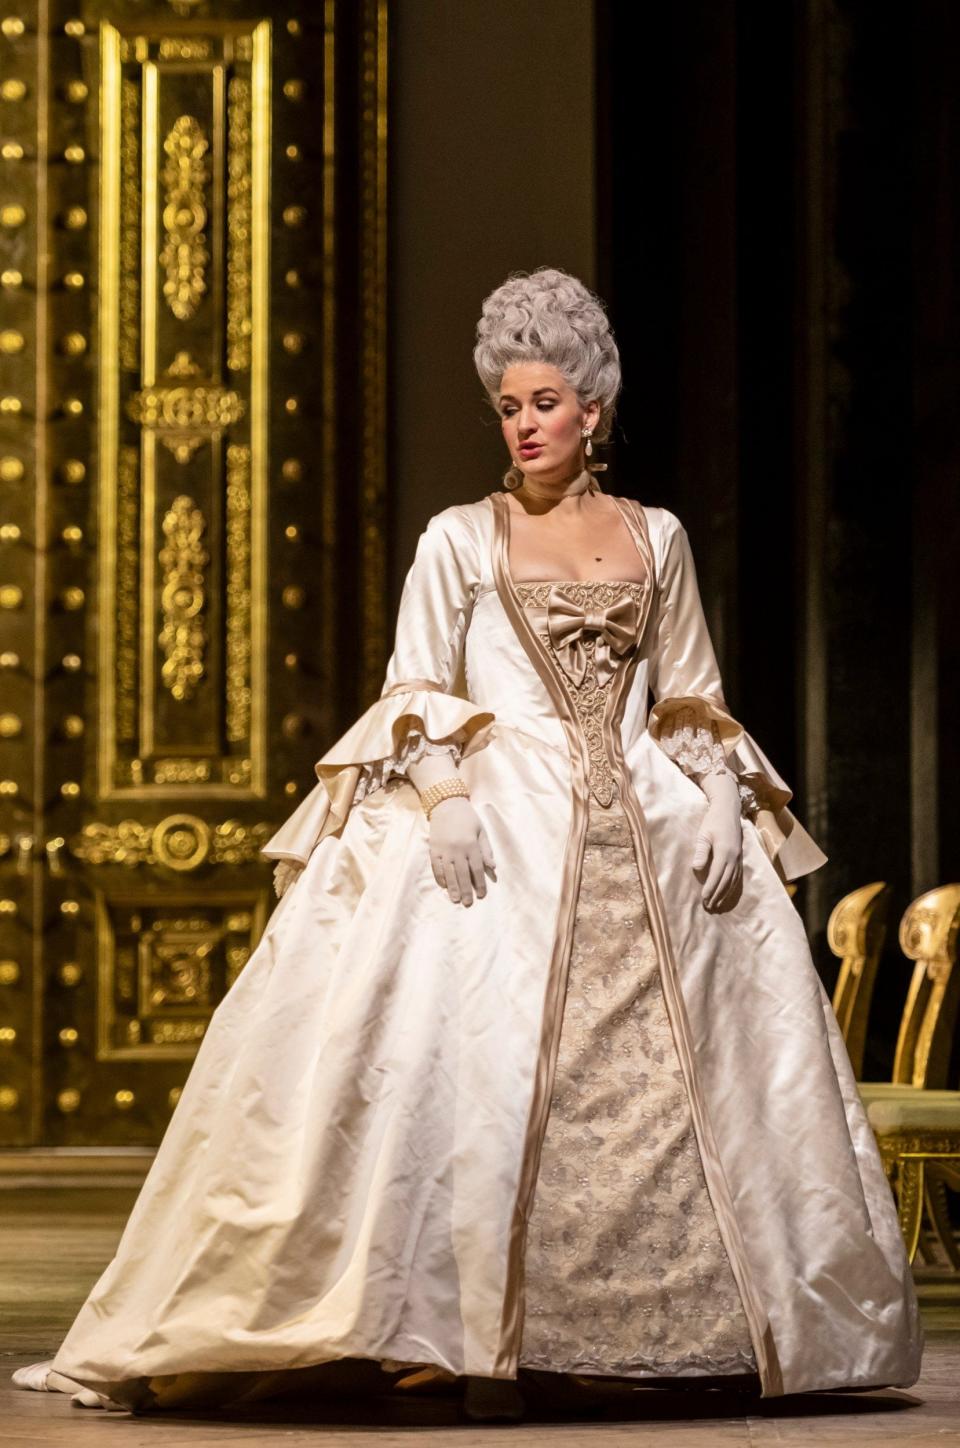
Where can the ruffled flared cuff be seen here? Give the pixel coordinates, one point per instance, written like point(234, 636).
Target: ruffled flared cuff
point(416, 709)
point(692, 740)
point(414, 747)
point(792, 851)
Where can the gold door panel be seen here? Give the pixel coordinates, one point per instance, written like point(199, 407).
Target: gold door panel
point(192, 271)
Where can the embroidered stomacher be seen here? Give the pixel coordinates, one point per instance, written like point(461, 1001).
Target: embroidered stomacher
point(692, 740)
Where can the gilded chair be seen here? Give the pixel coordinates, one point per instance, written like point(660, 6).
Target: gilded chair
point(856, 932)
point(915, 1119)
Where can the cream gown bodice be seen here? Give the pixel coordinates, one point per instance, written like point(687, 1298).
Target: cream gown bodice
point(589, 629)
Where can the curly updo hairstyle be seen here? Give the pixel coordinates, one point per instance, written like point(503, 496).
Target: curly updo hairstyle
point(549, 316)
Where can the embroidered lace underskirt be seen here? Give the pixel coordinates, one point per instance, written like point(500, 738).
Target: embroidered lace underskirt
point(626, 1272)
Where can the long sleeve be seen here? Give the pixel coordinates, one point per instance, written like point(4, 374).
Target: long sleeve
point(418, 710)
point(691, 722)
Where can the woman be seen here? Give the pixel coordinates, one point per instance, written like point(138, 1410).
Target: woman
point(531, 1068)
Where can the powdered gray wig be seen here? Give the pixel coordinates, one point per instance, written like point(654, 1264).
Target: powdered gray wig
point(549, 316)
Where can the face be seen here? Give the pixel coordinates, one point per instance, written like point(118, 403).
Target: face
point(541, 419)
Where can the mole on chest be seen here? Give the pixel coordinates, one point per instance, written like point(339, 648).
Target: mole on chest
point(536, 554)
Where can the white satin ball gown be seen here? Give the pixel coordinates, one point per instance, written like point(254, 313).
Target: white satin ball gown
point(585, 1125)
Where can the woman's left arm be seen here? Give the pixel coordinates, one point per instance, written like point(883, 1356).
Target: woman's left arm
point(692, 724)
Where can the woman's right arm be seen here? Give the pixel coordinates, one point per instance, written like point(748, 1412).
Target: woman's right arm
point(417, 727)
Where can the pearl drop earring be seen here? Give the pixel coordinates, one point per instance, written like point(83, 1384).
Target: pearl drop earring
point(588, 450)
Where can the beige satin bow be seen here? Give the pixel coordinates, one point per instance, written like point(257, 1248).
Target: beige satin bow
point(567, 623)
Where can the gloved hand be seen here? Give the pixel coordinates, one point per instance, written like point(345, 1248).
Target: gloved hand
point(460, 851)
point(719, 844)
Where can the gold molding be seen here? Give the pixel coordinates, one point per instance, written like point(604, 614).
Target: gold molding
point(127, 602)
point(239, 232)
point(186, 407)
point(129, 222)
point(124, 975)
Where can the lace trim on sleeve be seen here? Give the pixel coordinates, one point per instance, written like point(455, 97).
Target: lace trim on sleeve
point(694, 744)
point(284, 874)
point(376, 774)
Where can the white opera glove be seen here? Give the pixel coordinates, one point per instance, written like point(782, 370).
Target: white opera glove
point(460, 851)
point(719, 843)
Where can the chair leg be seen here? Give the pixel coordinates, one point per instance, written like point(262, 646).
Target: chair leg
point(910, 1196)
point(938, 1211)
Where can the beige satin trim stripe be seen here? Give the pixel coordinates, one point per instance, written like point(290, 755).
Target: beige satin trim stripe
point(511, 1323)
point(768, 1362)
point(411, 686)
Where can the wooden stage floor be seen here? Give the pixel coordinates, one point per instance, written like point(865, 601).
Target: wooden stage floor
point(54, 1243)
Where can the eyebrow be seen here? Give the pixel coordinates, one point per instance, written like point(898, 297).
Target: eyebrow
point(508, 396)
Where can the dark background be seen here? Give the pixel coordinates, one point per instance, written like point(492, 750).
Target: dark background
point(765, 195)
point(778, 201)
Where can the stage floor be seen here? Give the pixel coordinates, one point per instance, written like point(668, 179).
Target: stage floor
point(55, 1242)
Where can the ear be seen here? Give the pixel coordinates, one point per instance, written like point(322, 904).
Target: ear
point(591, 414)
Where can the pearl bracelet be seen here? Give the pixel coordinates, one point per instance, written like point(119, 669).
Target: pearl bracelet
point(443, 789)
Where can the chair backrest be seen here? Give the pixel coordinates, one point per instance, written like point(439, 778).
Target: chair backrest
point(856, 931)
point(929, 935)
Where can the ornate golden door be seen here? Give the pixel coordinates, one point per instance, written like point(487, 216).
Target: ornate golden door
point(191, 475)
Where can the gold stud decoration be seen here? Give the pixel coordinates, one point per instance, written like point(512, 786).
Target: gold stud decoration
point(11, 469)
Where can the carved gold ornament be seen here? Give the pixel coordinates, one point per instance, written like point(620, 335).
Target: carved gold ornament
point(239, 224)
point(129, 309)
point(184, 256)
point(185, 412)
point(181, 842)
point(182, 597)
point(239, 651)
